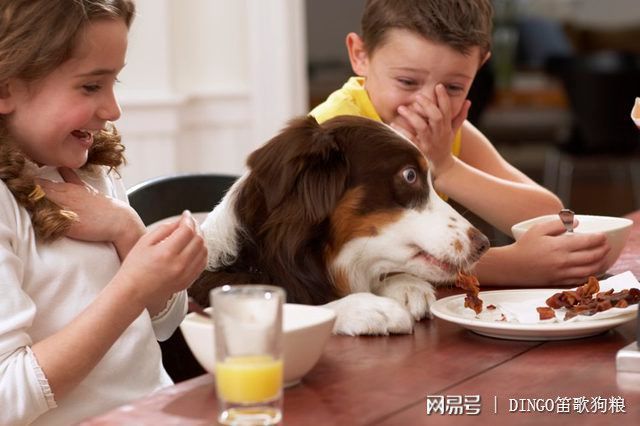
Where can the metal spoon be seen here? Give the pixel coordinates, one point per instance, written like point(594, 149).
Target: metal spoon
point(195, 307)
point(566, 216)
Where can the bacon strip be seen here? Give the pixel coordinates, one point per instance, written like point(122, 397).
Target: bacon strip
point(546, 313)
point(586, 300)
point(471, 287)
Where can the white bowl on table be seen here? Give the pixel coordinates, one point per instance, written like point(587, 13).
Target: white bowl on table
point(616, 229)
point(306, 330)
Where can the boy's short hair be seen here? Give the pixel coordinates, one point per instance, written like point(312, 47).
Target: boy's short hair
point(460, 24)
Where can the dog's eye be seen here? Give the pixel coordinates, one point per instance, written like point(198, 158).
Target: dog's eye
point(409, 174)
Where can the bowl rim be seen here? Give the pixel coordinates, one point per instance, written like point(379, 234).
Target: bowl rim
point(327, 316)
point(624, 222)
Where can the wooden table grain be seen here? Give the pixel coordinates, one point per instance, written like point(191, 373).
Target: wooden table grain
point(387, 380)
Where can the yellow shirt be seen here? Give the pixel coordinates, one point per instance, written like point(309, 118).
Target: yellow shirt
point(353, 99)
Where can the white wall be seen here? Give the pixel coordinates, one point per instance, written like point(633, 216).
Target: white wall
point(207, 81)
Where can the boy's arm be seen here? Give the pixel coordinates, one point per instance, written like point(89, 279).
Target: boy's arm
point(479, 179)
point(485, 183)
point(544, 256)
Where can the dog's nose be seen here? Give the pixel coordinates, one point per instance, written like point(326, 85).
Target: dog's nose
point(479, 242)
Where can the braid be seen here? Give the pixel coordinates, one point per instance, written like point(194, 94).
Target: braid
point(50, 220)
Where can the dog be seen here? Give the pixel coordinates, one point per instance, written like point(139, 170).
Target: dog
point(341, 214)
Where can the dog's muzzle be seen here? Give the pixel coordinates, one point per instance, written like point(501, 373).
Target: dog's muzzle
point(479, 243)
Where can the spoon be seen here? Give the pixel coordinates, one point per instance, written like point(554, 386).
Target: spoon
point(195, 307)
point(566, 216)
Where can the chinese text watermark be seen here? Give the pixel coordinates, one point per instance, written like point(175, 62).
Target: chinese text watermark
point(471, 405)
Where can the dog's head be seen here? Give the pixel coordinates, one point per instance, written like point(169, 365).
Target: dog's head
point(326, 210)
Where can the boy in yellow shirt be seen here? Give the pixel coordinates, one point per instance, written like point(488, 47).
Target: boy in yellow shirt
point(415, 62)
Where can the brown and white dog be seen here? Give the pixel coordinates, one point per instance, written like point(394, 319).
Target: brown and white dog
point(342, 214)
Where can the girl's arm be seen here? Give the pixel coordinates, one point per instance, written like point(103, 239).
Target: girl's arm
point(164, 261)
point(485, 183)
point(103, 218)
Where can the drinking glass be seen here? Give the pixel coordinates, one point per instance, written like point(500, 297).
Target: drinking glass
point(248, 346)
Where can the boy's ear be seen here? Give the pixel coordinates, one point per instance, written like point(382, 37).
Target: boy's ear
point(357, 54)
point(486, 58)
point(6, 100)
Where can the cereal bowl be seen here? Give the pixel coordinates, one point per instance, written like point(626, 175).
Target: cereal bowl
point(616, 229)
point(306, 330)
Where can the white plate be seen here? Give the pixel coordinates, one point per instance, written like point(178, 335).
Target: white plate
point(488, 324)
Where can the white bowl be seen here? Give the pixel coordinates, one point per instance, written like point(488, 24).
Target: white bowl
point(616, 229)
point(306, 330)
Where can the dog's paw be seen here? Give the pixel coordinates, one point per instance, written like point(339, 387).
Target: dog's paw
point(366, 313)
point(416, 298)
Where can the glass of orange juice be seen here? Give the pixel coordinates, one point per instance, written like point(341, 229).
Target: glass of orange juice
point(248, 345)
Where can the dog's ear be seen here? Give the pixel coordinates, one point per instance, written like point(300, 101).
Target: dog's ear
point(304, 161)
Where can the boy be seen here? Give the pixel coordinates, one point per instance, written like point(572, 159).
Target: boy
point(416, 61)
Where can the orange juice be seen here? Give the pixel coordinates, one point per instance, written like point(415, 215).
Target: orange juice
point(249, 379)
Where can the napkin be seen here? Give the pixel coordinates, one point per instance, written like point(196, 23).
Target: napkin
point(525, 311)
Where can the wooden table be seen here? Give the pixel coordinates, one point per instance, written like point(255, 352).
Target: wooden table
point(387, 380)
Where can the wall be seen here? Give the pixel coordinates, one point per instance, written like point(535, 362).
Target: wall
point(207, 81)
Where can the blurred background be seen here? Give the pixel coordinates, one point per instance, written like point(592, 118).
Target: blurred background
point(555, 97)
point(208, 81)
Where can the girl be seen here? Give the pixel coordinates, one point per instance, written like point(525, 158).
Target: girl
point(86, 292)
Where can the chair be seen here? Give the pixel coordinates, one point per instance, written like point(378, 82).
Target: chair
point(168, 196)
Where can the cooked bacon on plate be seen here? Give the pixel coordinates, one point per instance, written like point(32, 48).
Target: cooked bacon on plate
point(586, 300)
point(569, 298)
point(546, 312)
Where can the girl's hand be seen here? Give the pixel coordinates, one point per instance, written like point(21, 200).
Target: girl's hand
point(165, 260)
point(548, 256)
point(101, 218)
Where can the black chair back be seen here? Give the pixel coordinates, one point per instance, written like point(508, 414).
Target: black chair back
point(168, 196)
